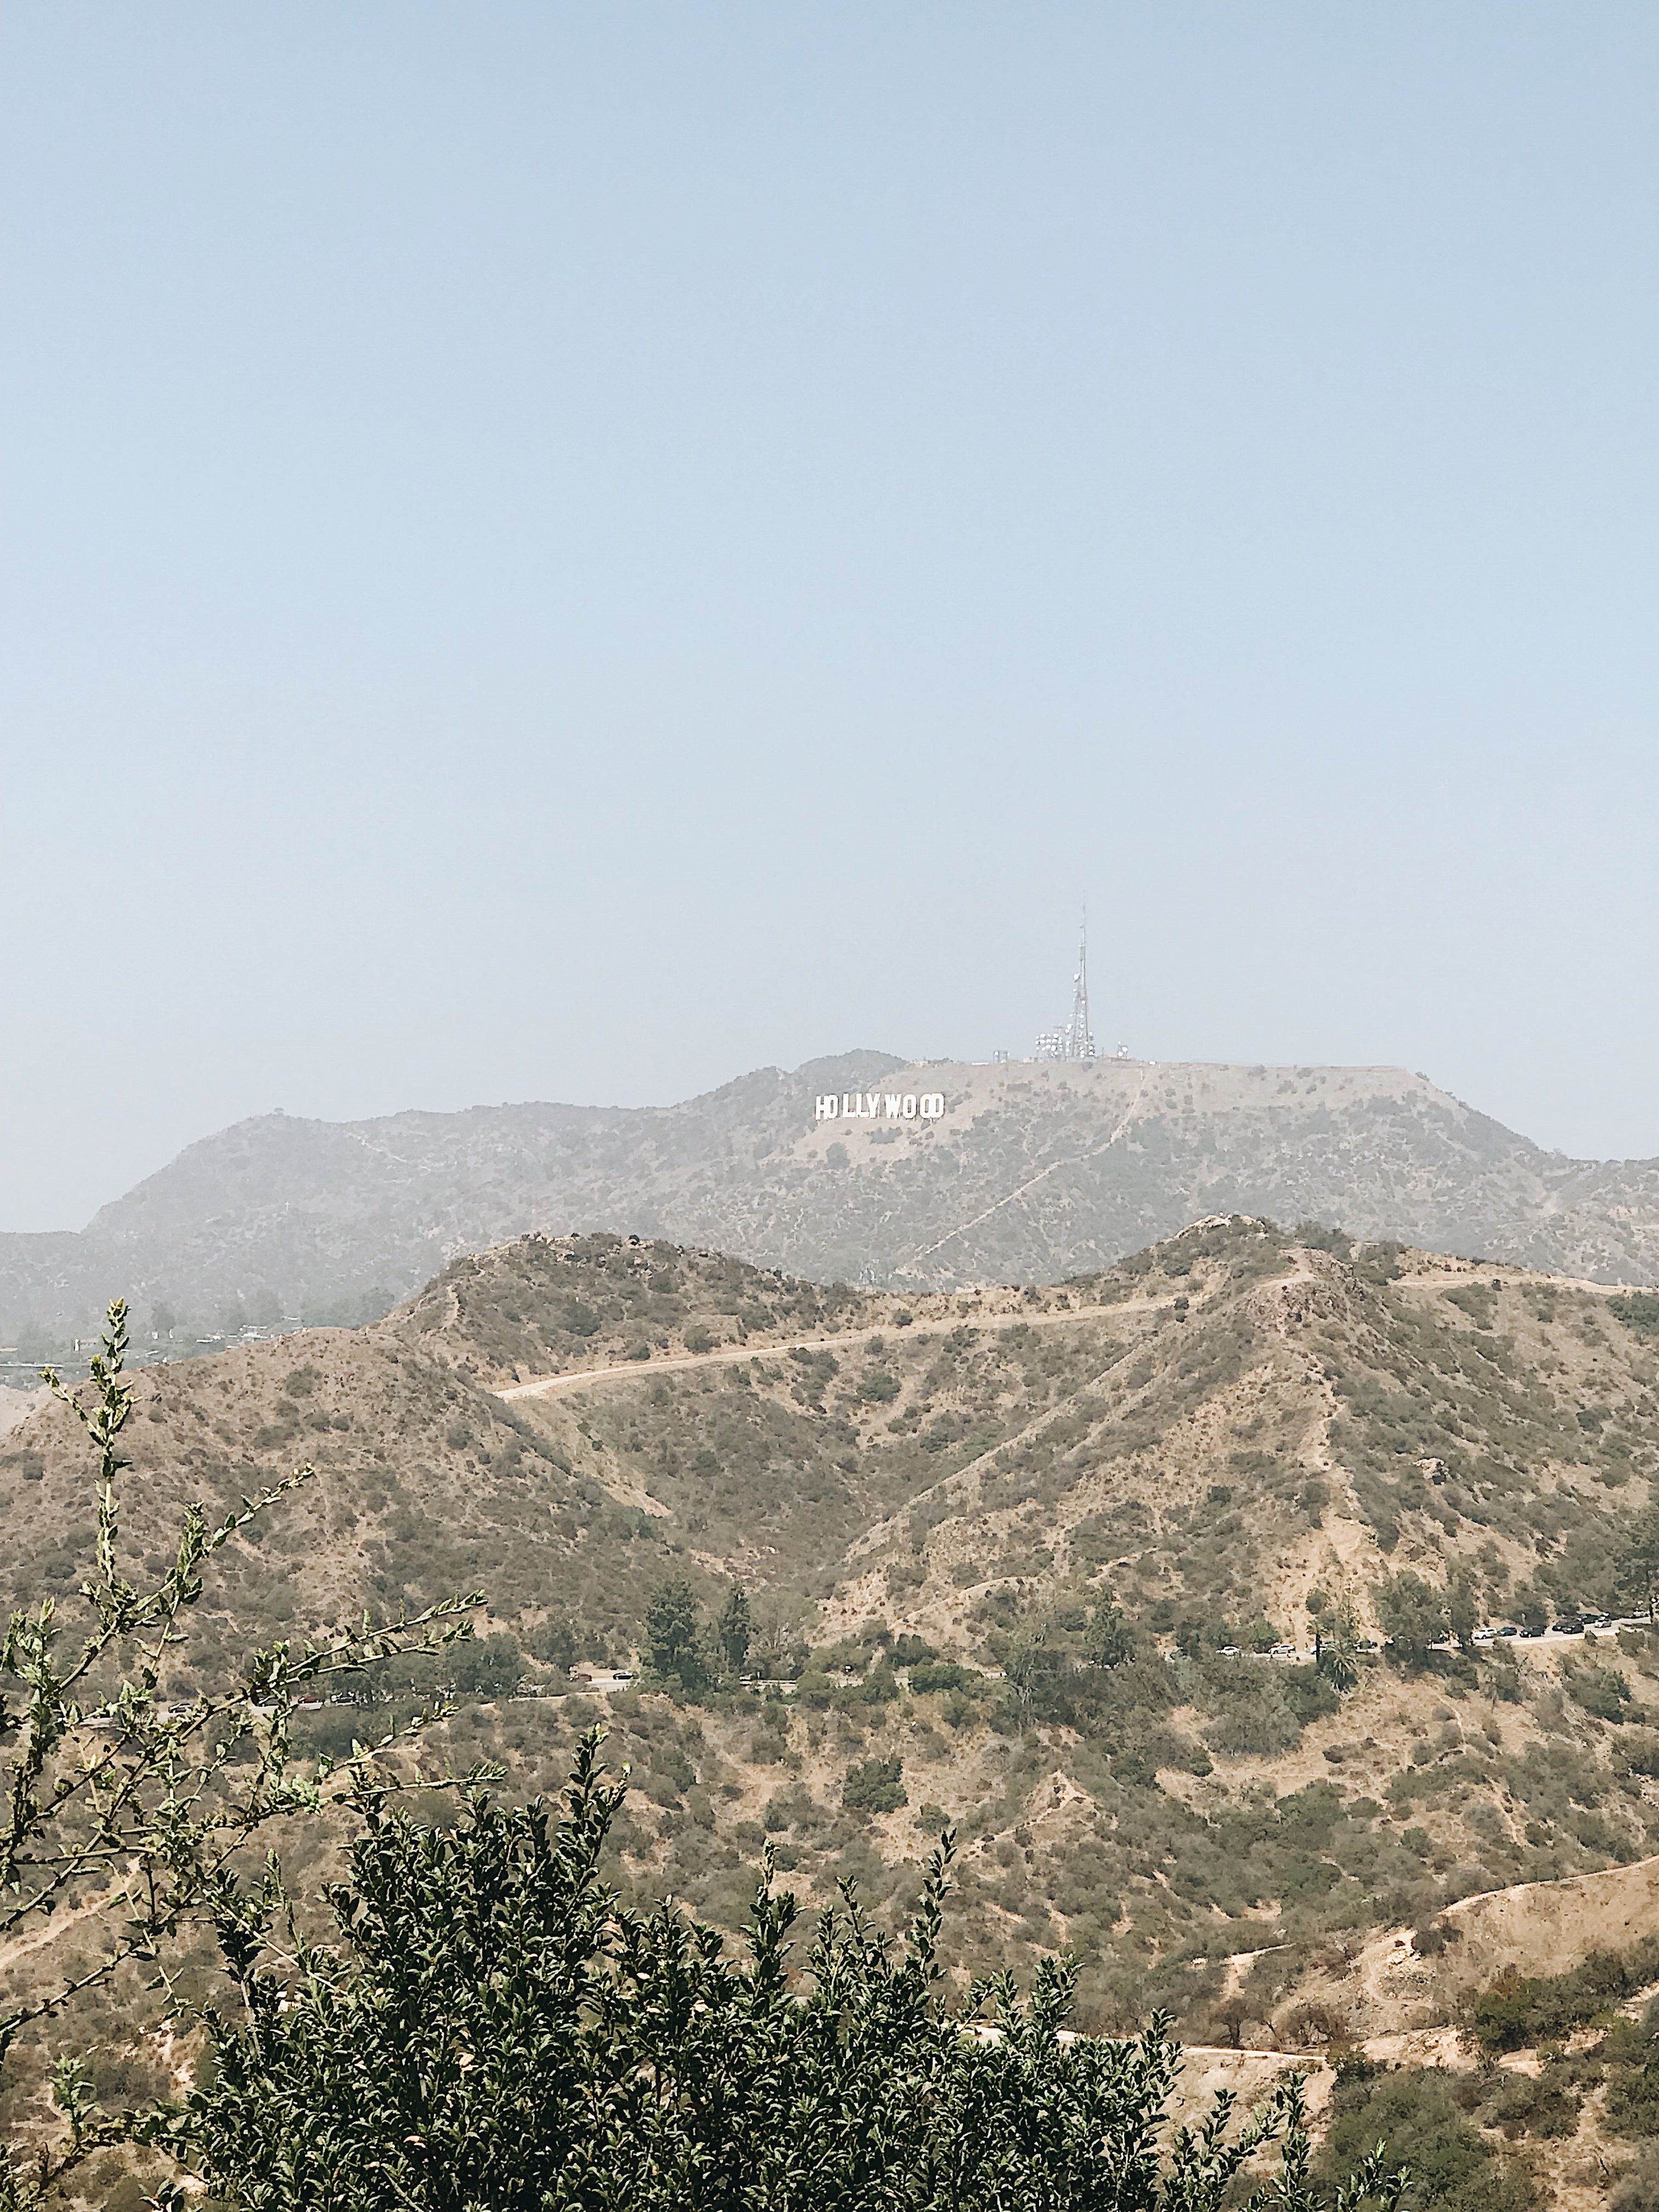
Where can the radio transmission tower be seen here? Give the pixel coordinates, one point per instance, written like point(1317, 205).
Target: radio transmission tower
point(1076, 1041)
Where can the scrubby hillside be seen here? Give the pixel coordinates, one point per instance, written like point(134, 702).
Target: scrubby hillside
point(1016, 1559)
point(1033, 1172)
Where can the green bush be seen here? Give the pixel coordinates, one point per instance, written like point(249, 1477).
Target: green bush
point(1602, 1691)
point(1517, 2012)
point(494, 2027)
point(1453, 2168)
point(876, 1786)
point(485, 1667)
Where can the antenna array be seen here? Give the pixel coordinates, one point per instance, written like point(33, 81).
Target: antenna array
point(1076, 1040)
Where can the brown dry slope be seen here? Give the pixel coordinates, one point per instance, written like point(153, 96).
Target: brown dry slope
point(944, 1496)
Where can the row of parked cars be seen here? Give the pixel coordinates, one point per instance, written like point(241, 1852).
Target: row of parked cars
point(1570, 1624)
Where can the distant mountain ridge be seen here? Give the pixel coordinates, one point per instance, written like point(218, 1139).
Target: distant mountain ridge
point(1034, 1171)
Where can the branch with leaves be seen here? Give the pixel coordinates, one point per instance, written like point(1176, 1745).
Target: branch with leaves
point(121, 1808)
point(492, 2026)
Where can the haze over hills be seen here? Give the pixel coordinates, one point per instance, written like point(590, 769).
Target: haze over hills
point(1033, 1171)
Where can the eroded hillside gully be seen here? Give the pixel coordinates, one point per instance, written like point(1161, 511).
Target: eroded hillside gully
point(1182, 1591)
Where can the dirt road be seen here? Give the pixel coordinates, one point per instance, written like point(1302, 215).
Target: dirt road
point(732, 1355)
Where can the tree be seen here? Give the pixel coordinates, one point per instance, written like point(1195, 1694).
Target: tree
point(1638, 1561)
point(1032, 1671)
point(1531, 1610)
point(876, 1786)
point(1231, 2018)
point(487, 1667)
point(1109, 1639)
point(555, 1644)
point(1412, 1615)
point(1336, 1645)
point(734, 1630)
point(1461, 1617)
point(115, 1799)
point(492, 2025)
point(672, 1626)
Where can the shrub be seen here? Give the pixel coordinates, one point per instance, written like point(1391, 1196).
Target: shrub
point(876, 1786)
point(489, 1667)
point(1516, 2011)
point(1638, 2188)
point(1453, 2168)
point(1602, 1691)
point(496, 2028)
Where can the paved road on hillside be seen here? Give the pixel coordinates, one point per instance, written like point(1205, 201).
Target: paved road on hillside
point(730, 1355)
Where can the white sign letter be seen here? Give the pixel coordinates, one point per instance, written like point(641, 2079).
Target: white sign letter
point(908, 1109)
point(827, 1103)
point(892, 1106)
point(932, 1105)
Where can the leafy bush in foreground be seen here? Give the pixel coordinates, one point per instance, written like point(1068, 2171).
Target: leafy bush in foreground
point(497, 2031)
point(118, 1808)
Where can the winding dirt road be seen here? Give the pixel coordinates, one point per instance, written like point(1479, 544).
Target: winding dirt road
point(732, 1355)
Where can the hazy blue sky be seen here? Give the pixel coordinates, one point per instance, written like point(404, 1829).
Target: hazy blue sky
point(567, 552)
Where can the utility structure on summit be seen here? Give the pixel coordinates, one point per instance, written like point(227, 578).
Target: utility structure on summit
point(1076, 1041)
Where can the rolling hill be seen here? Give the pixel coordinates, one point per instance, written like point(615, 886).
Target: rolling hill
point(1018, 1559)
point(1033, 1171)
point(1217, 1437)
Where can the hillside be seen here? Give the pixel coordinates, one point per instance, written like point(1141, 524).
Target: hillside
point(1033, 1172)
point(939, 1505)
point(1211, 1432)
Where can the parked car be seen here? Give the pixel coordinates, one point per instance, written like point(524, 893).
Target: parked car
point(1570, 1626)
point(1508, 1629)
point(1531, 1631)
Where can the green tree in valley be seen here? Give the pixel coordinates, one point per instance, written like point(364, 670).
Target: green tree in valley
point(487, 1667)
point(1638, 1562)
point(734, 1630)
point(673, 1633)
point(1412, 1614)
point(1109, 1639)
point(1336, 1645)
point(1463, 1617)
point(555, 1644)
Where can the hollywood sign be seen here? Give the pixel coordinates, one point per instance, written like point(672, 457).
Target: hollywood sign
point(877, 1105)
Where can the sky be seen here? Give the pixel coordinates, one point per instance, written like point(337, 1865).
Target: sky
point(560, 552)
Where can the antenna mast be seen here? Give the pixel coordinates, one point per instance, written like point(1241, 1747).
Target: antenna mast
point(1076, 1041)
point(1080, 1044)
